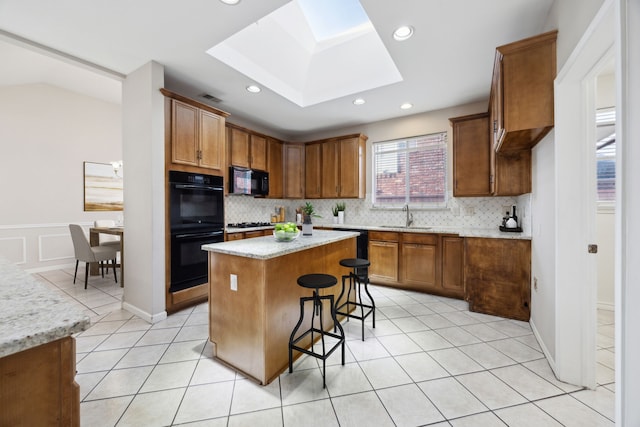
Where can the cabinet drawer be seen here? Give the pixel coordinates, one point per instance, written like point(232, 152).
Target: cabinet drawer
point(425, 239)
point(384, 235)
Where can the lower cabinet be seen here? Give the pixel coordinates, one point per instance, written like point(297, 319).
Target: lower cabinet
point(422, 262)
point(38, 387)
point(498, 276)
point(248, 234)
point(419, 261)
point(383, 256)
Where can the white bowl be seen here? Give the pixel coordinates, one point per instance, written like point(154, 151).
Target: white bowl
point(285, 237)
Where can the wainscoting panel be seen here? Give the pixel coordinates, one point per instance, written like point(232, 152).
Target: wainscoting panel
point(14, 249)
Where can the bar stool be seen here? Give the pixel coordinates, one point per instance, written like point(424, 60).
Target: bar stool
point(356, 277)
point(316, 282)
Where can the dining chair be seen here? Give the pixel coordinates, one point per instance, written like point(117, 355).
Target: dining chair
point(88, 254)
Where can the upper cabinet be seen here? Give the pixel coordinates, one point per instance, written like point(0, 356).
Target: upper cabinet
point(293, 161)
point(247, 149)
point(471, 156)
point(313, 171)
point(275, 168)
point(521, 106)
point(335, 167)
point(195, 134)
point(478, 171)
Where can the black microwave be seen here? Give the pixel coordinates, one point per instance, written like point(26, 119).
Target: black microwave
point(248, 181)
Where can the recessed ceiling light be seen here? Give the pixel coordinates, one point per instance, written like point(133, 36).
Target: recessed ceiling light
point(231, 2)
point(253, 89)
point(358, 101)
point(403, 33)
point(406, 105)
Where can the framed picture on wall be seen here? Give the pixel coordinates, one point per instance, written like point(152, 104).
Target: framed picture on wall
point(103, 189)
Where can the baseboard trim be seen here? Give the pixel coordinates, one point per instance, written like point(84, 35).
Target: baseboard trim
point(148, 317)
point(544, 348)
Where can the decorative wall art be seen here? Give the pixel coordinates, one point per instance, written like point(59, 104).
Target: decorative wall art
point(103, 189)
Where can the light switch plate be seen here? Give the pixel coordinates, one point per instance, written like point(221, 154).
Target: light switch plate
point(234, 282)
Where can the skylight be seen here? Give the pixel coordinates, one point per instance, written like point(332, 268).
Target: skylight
point(311, 51)
point(330, 18)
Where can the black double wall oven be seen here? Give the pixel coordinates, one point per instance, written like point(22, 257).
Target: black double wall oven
point(196, 215)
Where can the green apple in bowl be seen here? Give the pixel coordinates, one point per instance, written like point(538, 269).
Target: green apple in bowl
point(285, 232)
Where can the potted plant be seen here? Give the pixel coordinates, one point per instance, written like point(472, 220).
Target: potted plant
point(340, 206)
point(334, 210)
point(308, 212)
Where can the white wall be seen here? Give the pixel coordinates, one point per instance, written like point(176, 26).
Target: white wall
point(605, 224)
point(144, 194)
point(46, 133)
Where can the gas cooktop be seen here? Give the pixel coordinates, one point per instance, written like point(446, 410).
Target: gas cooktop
point(249, 224)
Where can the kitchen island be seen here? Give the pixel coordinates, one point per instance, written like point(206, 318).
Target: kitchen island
point(254, 299)
point(37, 352)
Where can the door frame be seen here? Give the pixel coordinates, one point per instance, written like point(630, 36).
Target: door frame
point(575, 201)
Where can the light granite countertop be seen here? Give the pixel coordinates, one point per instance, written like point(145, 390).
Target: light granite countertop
point(491, 233)
point(32, 314)
point(267, 247)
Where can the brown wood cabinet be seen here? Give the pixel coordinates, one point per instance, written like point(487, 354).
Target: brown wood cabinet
point(452, 250)
point(313, 170)
point(423, 262)
point(522, 92)
point(471, 155)
point(275, 169)
point(38, 388)
point(383, 255)
point(498, 277)
point(419, 261)
point(294, 174)
point(196, 137)
point(478, 170)
point(247, 149)
point(335, 167)
point(195, 141)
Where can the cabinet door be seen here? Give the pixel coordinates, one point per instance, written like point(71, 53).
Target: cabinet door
point(383, 256)
point(453, 264)
point(418, 265)
point(184, 133)
point(313, 171)
point(212, 147)
point(275, 169)
point(330, 169)
point(293, 171)
point(239, 148)
point(235, 236)
point(252, 234)
point(471, 156)
point(258, 152)
point(498, 276)
point(352, 169)
point(511, 173)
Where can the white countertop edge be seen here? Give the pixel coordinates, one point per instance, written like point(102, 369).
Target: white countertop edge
point(490, 233)
point(31, 314)
point(267, 247)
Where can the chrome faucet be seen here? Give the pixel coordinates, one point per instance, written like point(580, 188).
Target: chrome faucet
point(409, 215)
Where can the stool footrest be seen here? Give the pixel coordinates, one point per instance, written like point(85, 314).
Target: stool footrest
point(315, 353)
point(354, 316)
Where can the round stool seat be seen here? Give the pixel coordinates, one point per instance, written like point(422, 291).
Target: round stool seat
point(355, 262)
point(317, 281)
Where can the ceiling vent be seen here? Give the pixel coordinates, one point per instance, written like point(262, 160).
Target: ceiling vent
point(210, 98)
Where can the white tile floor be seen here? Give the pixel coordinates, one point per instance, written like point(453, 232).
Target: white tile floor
point(429, 361)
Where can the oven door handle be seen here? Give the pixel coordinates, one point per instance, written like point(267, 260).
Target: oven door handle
point(198, 187)
point(198, 235)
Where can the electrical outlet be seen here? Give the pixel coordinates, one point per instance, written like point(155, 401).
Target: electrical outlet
point(506, 208)
point(468, 211)
point(234, 282)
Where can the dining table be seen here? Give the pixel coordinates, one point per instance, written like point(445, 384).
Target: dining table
point(94, 240)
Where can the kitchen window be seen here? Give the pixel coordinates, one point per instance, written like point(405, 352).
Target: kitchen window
point(410, 171)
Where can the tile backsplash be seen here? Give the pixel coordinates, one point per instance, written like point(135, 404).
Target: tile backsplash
point(471, 212)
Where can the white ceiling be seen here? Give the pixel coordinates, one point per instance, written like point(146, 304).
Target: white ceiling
point(448, 62)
